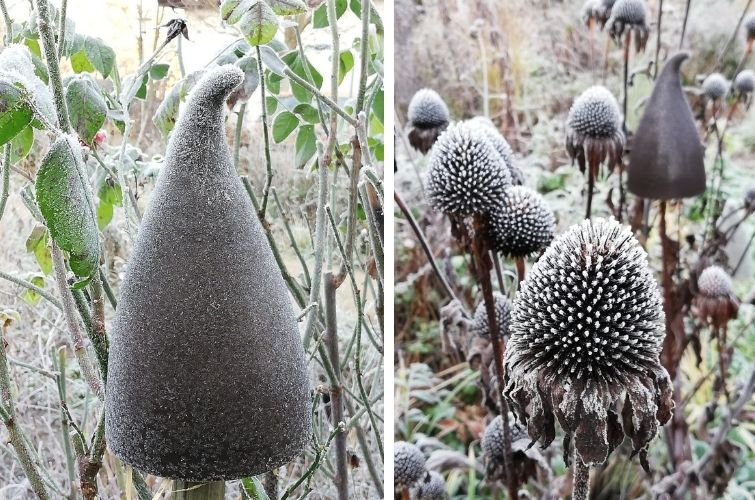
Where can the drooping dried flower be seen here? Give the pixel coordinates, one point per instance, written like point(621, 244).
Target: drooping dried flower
point(749, 24)
point(715, 302)
point(428, 118)
point(408, 465)
point(480, 326)
point(467, 176)
point(523, 224)
point(629, 15)
point(593, 128)
point(715, 86)
point(586, 332)
point(432, 487)
point(744, 85)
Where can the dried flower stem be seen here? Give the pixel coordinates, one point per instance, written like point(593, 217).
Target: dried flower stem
point(733, 35)
point(657, 60)
point(581, 479)
point(684, 24)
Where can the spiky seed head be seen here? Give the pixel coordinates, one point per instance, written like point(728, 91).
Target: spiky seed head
point(715, 282)
point(715, 86)
point(480, 325)
point(590, 10)
point(523, 224)
point(408, 464)
point(749, 24)
point(608, 4)
point(744, 83)
point(427, 109)
point(629, 15)
point(586, 332)
point(517, 175)
point(750, 200)
point(495, 138)
point(484, 121)
point(595, 113)
point(467, 176)
point(492, 438)
point(432, 487)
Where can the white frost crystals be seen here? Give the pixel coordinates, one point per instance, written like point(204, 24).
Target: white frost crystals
point(586, 333)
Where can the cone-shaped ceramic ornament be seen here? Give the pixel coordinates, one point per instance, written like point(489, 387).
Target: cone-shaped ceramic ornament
point(666, 160)
point(206, 379)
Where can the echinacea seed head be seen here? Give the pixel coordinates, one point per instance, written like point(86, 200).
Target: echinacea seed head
point(744, 83)
point(480, 325)
point(714, 282)
point(486, 128)
point(466, 176)
point(432, 487)
point(427, 109)
point(408, 464)
point(629, 15)
point(749, 200)
point(749, 25)
point(492, 438)
point(523, 224)
point(715, 86)
point(595, 113)
point(586, 333)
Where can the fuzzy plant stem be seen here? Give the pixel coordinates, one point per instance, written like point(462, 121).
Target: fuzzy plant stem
point(684, 24)
point(341, 478)
point(51, 57)
point(237, 135)
point(314, 90)
point(4, 190)
point(581, 490)
point(483, 268)
point(60, 379)
point(334, 69)
point(62, 28)
point(364, 58)
point(425, 246)
point(8, 23)
point(189, 490)
point(266, 137)
point(353, 194)
point(292, 238)
point(319, 248)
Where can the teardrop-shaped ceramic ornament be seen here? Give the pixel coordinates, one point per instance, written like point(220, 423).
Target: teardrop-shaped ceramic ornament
point(207, 377)
point(666, 158)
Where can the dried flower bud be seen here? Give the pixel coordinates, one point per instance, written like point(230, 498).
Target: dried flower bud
point(408, 464)
point(629, 15)
point(492, 439)
point(466, 174)
point(480, 325)
point(715, 303)
point(714, 282)
point(523, 224)
point(594, 127)
point(432, 487)
point(749, 24)
point(744, 83)
point(428, 118)
point(586, 332)
point(715, 86)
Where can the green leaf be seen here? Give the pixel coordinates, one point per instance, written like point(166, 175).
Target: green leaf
point(64, 202)
point(320, 17)
point(104, 214)
point(271, 104)
point(287, 7)
point(248, 65)
point(356, 8)
point(167, 113)
point(256, 21)
point(141, 93)
point(15, 111)
point(307, 112)
point(21, 144)
point(272, 61)
point(33, 46)
point(297, 66)
point(36, 243)
point(110, 192)
point(87, 109)
point(80, 63)
point(345, 63)
point(378, 105)
point(30, 296)
point(253, 489)
point(285, 123)
point(306, 145)
point(159, 71)
point(100, 54)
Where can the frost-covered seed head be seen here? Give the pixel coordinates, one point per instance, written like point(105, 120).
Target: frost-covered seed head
point(492, 438)
point(590, 11)
point(586, 332)
point(629, 15)
point(523, 224)
point(408, 464)
point(715, 86)
point(744, 83)
point(593, 126)
point(467, 176)
point(750, 200)
point(427, 109)
point(480, 324)
point(714, 282)
point(432, 487)
point(495, 139)
point(749, 24)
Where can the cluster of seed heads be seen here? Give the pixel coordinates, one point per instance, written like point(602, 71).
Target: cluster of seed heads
point(492, 438)
point(749, 24)
point(629, 15)
point(593, 126)
point(408, 464)
point(523, 224)
point(467, 176)
point(427, 109)
point(431, 487)
point(714, 282)
point(715, 86)
point(587, 328)
point(480, 325)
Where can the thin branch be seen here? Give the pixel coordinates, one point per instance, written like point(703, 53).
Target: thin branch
point(31, 286)
point(266, 136)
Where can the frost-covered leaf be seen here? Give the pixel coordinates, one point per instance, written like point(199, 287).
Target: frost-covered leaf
point(307, 112)
point(87, 109)
point(345, 63)
point(63, 200)
point(30, 296)
point(320, 17)
point(285, 123)
point(21, 144)
point(104, 214)
point(287, 7)
point(36, 243)
point(100, 55)
point(248, 65)
point(272, 61)
point(159, 71)
point(80, 63)
point(111, 192)
point(17, 68)
point(255, 18)
point(167, 113)
point(296, 64)
point(15, 112)
point(253, 489)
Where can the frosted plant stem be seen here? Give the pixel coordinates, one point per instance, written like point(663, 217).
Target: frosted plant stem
point(51, 57)
point(8, 23)
point(6, 179)
point(15, 435)
point(60, 379)
point(581, 490)
point(353, 193)
point(266, 136)
point(188, 490)
point(364, 56)
point(334, 68)
point(684, 24)
point(69, 311)
point(62, 32)
point(341, 478)
point(314, 90)
point(292, 239)
point(31, 286)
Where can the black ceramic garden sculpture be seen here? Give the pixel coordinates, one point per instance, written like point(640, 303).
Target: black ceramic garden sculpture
point(666, 158)
point(207, 377)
